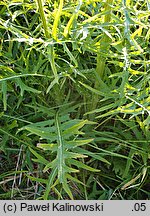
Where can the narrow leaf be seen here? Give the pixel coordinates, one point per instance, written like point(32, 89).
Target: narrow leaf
point(39, 157)
point(67, 189)
point(83, 166)
point(40, 180)
point(4, 91)
point(50, 183)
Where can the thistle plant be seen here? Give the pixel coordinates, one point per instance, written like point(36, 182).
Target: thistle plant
point(74, 99)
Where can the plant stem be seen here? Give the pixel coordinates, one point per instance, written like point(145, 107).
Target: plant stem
point(42, 14)
point(56, 20)
point(50, 49)
point(101, 57)
point(104, 43)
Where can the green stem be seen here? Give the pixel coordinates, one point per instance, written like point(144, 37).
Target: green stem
point(42, 14)
point(104, 43)
point(101, 57)
point(57, 19)
point(50, 49)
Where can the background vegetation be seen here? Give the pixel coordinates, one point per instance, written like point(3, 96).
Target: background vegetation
point(74, 99)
